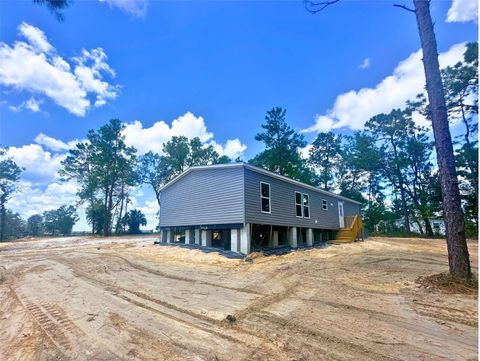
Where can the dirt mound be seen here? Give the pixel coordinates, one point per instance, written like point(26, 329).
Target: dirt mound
point(445, 282)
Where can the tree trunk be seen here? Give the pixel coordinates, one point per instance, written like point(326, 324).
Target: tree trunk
point(120, 214)
point(458, 257)
point(108, 221)
point(428, 226)
point(2, 217)
point(105, 213)
point(406, 219)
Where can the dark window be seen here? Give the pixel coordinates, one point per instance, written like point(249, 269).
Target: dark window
point(306, 206)
point(298, 204)
point(265, 190)
point(324, 204)
point(265, 197)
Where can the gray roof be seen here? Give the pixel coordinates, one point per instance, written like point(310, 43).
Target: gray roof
point(258, 170)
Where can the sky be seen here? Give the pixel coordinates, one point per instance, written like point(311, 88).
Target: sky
point(201, 68)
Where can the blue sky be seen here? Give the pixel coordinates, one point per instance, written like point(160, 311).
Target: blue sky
point(225, 62)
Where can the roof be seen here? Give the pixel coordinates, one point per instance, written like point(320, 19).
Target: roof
point(257, 170)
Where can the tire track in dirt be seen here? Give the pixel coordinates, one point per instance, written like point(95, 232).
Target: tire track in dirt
point(177, 278)
point(328, 341)
point(218, 328)
point(9, 279)
point(61, 331)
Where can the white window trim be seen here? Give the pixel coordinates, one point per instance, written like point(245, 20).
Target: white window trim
point(324, 202)
point(308, 206)
point(296, 204)
point(269, 198)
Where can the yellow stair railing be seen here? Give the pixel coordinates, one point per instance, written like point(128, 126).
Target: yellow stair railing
point(351, 233)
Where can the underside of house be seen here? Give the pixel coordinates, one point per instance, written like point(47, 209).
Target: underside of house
point(253, 237)
point(241, 208)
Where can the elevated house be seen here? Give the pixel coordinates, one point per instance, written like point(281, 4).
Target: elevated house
point(240, 207)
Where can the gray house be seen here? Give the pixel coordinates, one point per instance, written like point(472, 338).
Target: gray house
point(240, 207)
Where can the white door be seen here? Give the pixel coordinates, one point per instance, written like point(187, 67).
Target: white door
point(341, 219)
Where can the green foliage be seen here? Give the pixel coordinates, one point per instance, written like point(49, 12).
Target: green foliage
point(55, 7)
point(15, 226)
point(35, 225)
point(95, 215)
point(134, 219)
point(60, 221)
point(324, 154)
point(282, 148)
point(104, 167)
point(9, 178)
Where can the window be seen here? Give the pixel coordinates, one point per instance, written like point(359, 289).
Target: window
point(298, 204)
point(324, 204)
point(302, 205)
point(306, 206)
point(265, 197)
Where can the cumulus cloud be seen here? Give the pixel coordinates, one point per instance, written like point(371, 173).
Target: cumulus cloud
point(365, 64)
point(188, 125)
point(233, 148)
point(352, 109)
point(41, 188)
point(462, 11)
point(136, 8)
point(32, 199)
point(35, 67)
point(40, 165)
point(31, 104)
point(150, 210)
point(54, 144)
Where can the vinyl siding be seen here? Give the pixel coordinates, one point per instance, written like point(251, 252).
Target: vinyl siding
point(204, 197)
point(283, 204)
point(350, 208)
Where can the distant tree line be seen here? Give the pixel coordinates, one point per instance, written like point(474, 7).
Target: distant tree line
point(389, 167)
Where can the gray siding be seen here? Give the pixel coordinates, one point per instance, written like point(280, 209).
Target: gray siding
point(205, 196)
point(350, 208)
point(283, 204)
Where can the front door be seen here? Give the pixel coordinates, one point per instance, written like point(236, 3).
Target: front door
point(341, 218)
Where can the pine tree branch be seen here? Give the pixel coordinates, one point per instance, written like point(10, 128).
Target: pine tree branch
point(314, 7)
point(404, 7)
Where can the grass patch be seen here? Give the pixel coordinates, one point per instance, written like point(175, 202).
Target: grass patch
point(445, 282)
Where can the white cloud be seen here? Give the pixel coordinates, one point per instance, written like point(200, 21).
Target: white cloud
point(365, 64)
point(54, 144)
point(40, 165)
point(305, 152)
point(35, 67)
point(352, 109)
point(152, 139)
point(31, 199)
point(462, 11)
point(233, 148)
point(150, 210)
point(31, 104)
point(42, 190)
point(136, 8)
point(188, 125)
point(35, 37)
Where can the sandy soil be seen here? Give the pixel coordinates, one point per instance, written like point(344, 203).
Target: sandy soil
point(127, 299)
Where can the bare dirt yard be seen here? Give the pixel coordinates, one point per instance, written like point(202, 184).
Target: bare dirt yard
point(127, 299)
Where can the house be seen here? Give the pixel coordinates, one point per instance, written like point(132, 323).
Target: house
point(438, 226)
point(240, 207)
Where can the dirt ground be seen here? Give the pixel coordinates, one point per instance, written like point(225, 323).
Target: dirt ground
point(127, 299)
